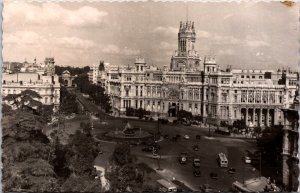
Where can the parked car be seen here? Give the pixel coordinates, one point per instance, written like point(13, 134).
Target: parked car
point(133, 144)
point(195, 147)
point(196, 162)
point(247, 160)
point(186, 137)
point(155, 145)
point(213, 175)
point(231, 170)
point(174, 139)
point(206, 188)
point(147, 149)
point(197, 173)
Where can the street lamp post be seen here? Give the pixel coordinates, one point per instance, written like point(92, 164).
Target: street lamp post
point(209, 119)
point(158, 163)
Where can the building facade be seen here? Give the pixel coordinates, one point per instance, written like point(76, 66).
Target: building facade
point(41, 79)
point(201, 87)
point(290, 156)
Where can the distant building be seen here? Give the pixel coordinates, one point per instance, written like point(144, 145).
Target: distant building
point(200, 87)
point(67, 78)
point(43, 80)
point(97, 74)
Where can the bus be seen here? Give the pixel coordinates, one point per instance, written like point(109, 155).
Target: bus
point(239, 187)
point(222, 159)
point(166, 186)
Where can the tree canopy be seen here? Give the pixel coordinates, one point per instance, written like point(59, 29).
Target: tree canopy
point(73, 70)
point(96, 92)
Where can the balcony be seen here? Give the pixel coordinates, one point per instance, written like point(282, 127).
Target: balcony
point(285, 152)
point(295, 155)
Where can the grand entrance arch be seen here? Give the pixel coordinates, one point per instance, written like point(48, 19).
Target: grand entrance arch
point(173, 109)
point(173, 99)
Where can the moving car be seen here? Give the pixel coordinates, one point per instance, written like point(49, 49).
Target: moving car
point(196, 162)
point(197, 173)
point(183, 158)
point(222, 159)
point(231, 171)
point(195, 148)
point(186, 137)
point(213, 175)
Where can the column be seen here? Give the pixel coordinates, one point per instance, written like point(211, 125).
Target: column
point(246, 118)
point(253, 116)
point(260, 117)
point(295, 143)
point(268, 117)
point(275, 116)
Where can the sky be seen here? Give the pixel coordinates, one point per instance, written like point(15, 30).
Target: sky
point(244, 35)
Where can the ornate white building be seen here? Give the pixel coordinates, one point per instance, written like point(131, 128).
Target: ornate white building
point(201, 87)
point(41, 79)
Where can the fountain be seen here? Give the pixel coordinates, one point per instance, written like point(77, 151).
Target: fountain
point(129, 133)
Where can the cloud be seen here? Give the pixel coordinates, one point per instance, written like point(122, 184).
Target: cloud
point(167, 46)
point(257, 43)
point(229, 52)
point(203, 34)
point(30, 38)
point(217, 38)
point(24, 38)
point(74, 42)
point(114, 49)
point(52, 14)
point(111, 49)
point(166, 31)
point(227, 16)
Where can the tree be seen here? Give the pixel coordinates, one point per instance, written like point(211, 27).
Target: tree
point(239, 124)
point(27, 98)
point(6, 108)
point(257, 130)
point(121, 154)
point(81, 184)
point(80, 158)
point(184, 114)
point(68, 103)
point(25, 154)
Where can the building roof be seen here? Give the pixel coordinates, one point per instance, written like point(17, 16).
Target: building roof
point(25, 77)
point(166, 183)
point(257, 184)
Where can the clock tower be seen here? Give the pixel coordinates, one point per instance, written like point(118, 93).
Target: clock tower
point(186, 58)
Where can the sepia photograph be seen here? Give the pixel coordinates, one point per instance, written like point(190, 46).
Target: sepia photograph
point(150, 96)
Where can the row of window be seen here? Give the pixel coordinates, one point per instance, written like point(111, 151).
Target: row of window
point(253, 76)
point(9, 91)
